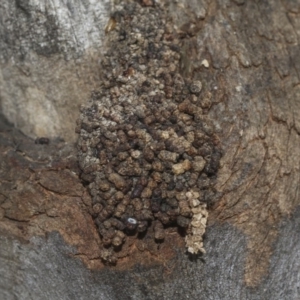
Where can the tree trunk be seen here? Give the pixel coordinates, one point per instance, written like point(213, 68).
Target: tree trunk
point(245, 53)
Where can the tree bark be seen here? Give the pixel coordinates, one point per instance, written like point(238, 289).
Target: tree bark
point(246, 55)
point(49, 56)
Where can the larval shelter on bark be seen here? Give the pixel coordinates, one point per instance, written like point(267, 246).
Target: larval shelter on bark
point(247, 56)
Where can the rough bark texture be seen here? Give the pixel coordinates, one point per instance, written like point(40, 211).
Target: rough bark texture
point(49, 55)
point(246, 54)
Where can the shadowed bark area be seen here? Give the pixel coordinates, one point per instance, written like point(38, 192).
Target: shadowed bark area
point(46, 269)
point(245, 53)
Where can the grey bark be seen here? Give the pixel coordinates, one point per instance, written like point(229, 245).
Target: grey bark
point(45, 270)
point(246, 53)
point(49, 57)
point(203, 279)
